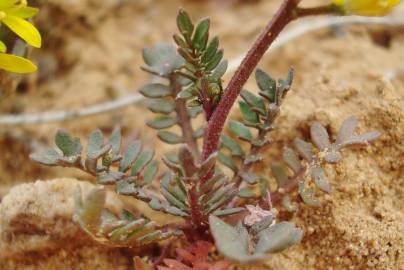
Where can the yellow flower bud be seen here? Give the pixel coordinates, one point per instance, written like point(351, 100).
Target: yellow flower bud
point(366, 7)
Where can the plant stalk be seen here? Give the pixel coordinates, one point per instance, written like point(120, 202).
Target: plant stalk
point(285, 14)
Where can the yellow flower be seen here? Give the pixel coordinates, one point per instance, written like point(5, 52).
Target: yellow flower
point(13, 14)
point(365, 7)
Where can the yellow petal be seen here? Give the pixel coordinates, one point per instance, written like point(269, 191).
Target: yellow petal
point(21, 11)
point(3, 47)
point(366, 7)
point(16, 64)
point(24, 29)
point(7, 3)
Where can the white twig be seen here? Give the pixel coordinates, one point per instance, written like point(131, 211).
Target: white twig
point(305, 26)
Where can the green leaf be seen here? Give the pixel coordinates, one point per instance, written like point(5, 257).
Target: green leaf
point(115, 141)
point(160, 106)
point(110, 177)
point(304, 149)
point(70, 146)
point(255, 102)
point(49, 157)
point(194, 111)
point(95, 143)
point(278, 237)
point(347, 129)
point(210, 50)
point(130, 155)
point(141, 162)
point(250, 178)
point(162, 122)
point(155, 90)
point(229, 241)
point(246, 193)
point(169, 137)
point(162, 60)
point(219, 71)
point(201, 34)
point(266, 84)
point(320, 179)
point(16, 64)
point(24, 29)
point(227, 161)
point(292, 160)
point(184, 23)
point(228, 211)
point(150, 172)
point(319, 136)
point(247, 113)
point(232, 145)
point(214, 62)
point(240, 130)
point(307, 195)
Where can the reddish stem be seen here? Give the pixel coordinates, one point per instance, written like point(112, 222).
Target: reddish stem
point(285, 14)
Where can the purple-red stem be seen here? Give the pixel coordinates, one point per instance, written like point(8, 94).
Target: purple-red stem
point(285, 14)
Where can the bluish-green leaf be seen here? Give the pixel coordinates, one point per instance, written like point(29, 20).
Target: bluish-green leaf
point(130, 155)
point(240, 130)
point(162, 122)
point(248, 114)
point(141, 162)
point(70, 146)
point(155, 90)
point(255, 102)
point(266, 84)
point(232, 145)
point(169, 137)
point(160, 106)
point(49, 157)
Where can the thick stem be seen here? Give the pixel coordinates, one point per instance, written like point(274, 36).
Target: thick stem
point(184, 120)
point(218, 118)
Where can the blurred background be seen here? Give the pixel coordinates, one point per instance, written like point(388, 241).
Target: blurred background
point(91, 54)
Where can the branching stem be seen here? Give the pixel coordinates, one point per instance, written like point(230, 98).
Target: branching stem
point(184, 120)
point(287, 13)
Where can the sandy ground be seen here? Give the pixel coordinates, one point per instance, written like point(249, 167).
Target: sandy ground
point(92, 54)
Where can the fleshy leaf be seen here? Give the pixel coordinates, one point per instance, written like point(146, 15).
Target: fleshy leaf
point(70, 146)
point(49, 157)
point(141, 162)
point(278, 237)
point(255, 102)
point(160, 106)
point(319, 136)
point(247, 113)
point(228, 240)
point(266, 84)
point(232, 145)
point(304, 149)
point(320, 179)
point(162, 122)
point(347, 129)
point(169, 137)
point(130, 155)
point(292, 160)
point(162, 60)
point(240, 130)
point(155, 90)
